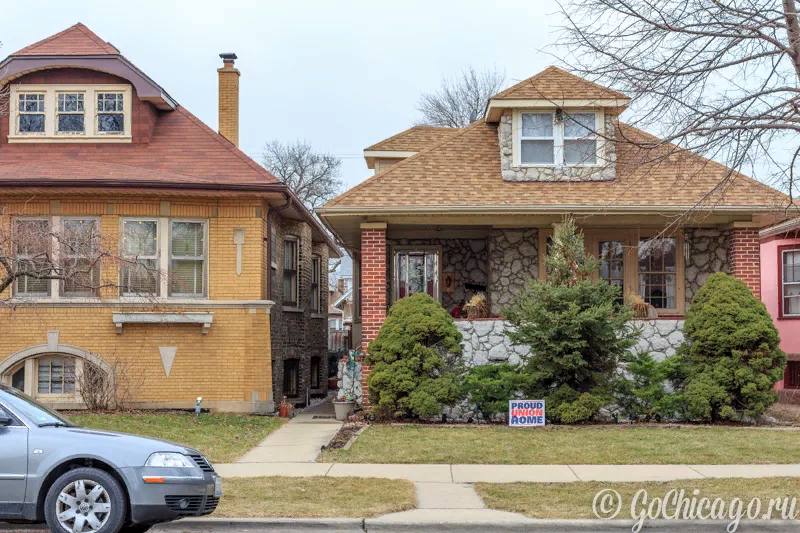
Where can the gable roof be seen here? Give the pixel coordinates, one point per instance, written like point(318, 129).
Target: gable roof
point(554, 83)
point(75, 40)
point(414, 139)
point(464, 171)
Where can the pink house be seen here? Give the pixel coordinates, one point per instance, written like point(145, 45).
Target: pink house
point(780, 292)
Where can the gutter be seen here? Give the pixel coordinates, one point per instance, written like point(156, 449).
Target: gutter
point(533, 209)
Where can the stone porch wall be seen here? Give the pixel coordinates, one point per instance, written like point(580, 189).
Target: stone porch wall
point(513, 259)
point(709, 252)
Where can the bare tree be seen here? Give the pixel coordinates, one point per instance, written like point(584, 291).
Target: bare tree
point(719, 78)
point(313, 176)
point(460, 100)
point(112, 388)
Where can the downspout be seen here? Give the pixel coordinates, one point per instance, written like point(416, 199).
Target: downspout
point(287, 205)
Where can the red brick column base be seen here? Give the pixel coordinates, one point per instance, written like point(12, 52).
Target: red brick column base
point(746, 258)
point(373, 291)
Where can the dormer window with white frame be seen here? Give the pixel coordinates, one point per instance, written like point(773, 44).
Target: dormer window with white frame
point(70, 113)
point(558, 138)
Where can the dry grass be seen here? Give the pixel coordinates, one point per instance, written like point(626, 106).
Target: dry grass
point(574, 500)
point(570, 445)
point(785, 413)
point(313, 497)
point(222, 437)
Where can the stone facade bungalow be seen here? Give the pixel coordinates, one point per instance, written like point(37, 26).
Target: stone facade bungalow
point(223, 292)
point(454, 212)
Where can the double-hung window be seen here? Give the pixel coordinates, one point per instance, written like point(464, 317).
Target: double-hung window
point(30, 113)
point(110, 113)
point(32, 243)
point(140, 269)
point(416, 270)
point(315, 285)
point(291, 260)
point(188, 252)
point(612, 265)
point(79, 258)
point(71, 111)
point(658, 267)
point(790, 282)
point(558, 138)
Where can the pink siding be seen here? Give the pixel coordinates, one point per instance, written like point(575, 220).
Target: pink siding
point(789, 329)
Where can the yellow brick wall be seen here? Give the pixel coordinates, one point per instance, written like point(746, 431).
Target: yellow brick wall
point(229, 104)
point(226, 366)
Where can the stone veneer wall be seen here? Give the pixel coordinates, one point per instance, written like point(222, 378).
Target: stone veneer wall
point(465, 257)
point(513, 259)
point(485, 341)
point(709, 252)
point(606, 169)
point(660, 337)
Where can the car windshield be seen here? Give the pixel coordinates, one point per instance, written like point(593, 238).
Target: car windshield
point(36, 412)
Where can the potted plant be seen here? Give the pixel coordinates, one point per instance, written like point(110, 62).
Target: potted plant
point(346, 397)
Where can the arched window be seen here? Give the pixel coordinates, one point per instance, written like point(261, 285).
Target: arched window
point(48, 375)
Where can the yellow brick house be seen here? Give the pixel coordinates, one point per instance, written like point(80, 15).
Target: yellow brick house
point(204, 276)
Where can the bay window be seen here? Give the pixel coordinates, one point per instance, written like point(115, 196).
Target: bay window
point(417, 270)
point(790, 282)
point(558, 138)
point(188, 252)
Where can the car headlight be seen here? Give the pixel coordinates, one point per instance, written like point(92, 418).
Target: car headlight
point(170, 460)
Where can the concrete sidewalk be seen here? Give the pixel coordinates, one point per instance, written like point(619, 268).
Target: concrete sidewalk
point(505, 473)
point(298, 441)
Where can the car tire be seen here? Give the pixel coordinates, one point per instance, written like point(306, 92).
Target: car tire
point(110, 495)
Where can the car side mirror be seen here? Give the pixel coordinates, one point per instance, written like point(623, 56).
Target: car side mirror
point(5, 420)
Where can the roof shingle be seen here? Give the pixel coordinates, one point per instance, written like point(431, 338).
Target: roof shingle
point(414, 139)
point(77, 40)
point(555, 84)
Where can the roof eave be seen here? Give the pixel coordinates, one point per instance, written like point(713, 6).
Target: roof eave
point(497, 106)
point(503, 209)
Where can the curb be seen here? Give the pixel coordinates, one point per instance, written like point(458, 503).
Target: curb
point(278, 524)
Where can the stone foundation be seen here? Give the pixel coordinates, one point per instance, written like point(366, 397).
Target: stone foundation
point(660, 337)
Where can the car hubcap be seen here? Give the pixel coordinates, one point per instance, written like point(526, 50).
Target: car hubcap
point(83, 506)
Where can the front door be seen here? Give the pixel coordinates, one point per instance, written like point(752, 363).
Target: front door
point(13, 466)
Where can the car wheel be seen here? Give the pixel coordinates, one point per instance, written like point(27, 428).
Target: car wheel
point(85, 500)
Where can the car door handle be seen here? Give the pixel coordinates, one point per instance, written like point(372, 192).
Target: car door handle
point(12, 476)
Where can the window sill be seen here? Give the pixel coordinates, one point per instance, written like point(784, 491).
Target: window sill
point(788, 317)
point(292, 309)
point(322, 315)
point(35, 138)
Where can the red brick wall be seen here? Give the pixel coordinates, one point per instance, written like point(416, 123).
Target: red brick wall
point(745, 258)
point(143, 114)
point(373, 292)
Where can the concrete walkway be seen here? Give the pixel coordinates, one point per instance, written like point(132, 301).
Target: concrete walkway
point(298, 441)
point(502, 473)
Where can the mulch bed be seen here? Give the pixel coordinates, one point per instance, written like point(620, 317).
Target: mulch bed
point(344, 435)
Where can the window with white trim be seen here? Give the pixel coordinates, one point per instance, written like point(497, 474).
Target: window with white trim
point(32, 245)
point(79, 257)
point(188, 258)
point(70, 113)
point(30, 113)
point(790, 282)
point(558, 138)
point(55, 375)
point(140, 269)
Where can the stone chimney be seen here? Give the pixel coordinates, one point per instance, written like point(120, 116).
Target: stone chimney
point(229, 99)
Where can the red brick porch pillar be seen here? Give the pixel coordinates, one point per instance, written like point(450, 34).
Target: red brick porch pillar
point(746, 256)
point(373, 290)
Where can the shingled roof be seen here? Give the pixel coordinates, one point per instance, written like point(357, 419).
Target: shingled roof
point(414, 139)
point(555, 84)
point(76, 40)
point(464, 170)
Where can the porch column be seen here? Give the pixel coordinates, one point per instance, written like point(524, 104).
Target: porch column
point(373, 290)
point(745, 255)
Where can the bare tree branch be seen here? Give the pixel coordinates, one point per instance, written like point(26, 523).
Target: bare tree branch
point(460, 100)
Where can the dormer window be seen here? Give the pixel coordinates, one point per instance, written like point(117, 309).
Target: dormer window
point(71, 113)
point(558, 138)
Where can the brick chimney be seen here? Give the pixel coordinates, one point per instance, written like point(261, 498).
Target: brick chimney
point(229, 99)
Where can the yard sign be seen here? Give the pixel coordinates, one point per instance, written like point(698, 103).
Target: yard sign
point(525, 413)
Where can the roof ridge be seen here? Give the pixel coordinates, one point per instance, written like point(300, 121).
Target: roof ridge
point(553, 68)
point(96, 38)
point(79, 27)
point(227, 144)
point(402, 163)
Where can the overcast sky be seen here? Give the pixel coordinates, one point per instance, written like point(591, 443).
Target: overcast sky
point(339, 74)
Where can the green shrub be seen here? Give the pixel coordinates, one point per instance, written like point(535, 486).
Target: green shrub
point(415, 359)
point(575, 330)
point(641, 389)
point(731, 357)
point(490, 387)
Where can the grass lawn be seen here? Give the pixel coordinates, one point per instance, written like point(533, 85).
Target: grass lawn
point(222, 437)
point(570, 445)
point(574, 500)
point(313, 497)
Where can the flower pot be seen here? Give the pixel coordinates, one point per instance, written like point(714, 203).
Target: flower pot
point(342, 409)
